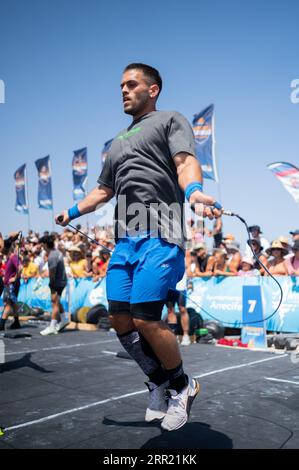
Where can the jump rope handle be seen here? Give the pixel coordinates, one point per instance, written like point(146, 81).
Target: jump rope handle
point(218, 206)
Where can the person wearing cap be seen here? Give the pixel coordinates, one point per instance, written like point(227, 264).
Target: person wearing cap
point(276, 265)
point(295, 235)
point(247, 268)
point(78, 264)
point(292, 262)
point(233, 255)
point(202, 258)
point(285, 243)
point(255, 232)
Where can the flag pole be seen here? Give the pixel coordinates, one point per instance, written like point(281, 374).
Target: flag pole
point(217, 180)
point(27, 197)
point(50, 168)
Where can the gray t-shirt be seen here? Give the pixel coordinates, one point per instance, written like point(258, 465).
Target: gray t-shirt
point(57, 272)
point(141, 171)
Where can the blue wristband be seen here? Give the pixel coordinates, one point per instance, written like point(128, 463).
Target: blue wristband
point(196, 186)
point(217, 205)
point(74, 212)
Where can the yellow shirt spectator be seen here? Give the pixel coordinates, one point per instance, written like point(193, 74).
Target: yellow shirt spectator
point(30, 270)
point(78, 265)
point(78, 268)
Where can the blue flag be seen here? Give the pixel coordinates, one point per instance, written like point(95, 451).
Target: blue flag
point(105, 150)
point(20, 184)
point(44, 183)
point(203, 128)
point(79, 166)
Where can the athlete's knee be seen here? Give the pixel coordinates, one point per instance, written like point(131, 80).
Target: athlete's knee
point(144, 326)
point(120, 317)
point(183, 310)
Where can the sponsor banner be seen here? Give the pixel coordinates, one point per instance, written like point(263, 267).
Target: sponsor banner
point(44, 183)
point(222, 297)
point(105, 150)
point(203, 128)
point(253, 330)
point(79, 166)
point(21, 204)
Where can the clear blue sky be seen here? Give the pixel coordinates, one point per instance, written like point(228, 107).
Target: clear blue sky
point(61, 61)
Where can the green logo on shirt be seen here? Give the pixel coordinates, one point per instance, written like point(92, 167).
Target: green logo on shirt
point(128, 134)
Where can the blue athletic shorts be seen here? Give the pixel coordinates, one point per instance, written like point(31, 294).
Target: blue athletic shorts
point(143, 269)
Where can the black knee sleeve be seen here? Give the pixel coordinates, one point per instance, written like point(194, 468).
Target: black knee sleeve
point(150, 311)
point(116, 307)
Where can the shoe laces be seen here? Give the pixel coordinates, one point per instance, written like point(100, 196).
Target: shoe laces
point(176, 401)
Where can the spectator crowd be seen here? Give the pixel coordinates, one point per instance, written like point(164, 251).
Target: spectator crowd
point(86, 259)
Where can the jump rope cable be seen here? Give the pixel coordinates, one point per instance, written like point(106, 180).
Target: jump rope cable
point(231, 214)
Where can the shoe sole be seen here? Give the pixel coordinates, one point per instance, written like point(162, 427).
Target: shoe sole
point(156, 419)
point(189, 404)
point(49, 334)
point(64, 326)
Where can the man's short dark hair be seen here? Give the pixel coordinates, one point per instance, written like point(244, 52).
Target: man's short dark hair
point(47, 240)
point(151, 74)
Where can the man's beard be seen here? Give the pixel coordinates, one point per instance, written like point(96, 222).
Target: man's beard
point(138, 107)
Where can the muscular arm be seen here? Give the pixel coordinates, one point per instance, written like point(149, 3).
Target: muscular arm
point(189, 171)
point(98, 195)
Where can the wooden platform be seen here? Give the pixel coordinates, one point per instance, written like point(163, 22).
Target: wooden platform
point(82, 326)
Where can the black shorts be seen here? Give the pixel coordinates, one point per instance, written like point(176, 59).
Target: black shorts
point(57, 290)
point(149, 311)
point(177, 297)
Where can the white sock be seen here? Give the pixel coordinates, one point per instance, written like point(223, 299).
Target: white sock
point(53, 323)
point(64, 316)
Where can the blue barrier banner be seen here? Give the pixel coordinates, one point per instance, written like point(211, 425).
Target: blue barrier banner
point(220, 297)
point(85, 292)
point(253, 331)
point(36, 293)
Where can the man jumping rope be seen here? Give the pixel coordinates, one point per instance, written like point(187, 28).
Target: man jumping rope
point(152, 162)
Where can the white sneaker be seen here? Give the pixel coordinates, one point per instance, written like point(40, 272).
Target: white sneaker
point(179, 406)
point(50, 330)
point(60, 326)
point(157, 406)
point(186, 340)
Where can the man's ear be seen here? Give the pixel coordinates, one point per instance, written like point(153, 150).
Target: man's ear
point(154, 90)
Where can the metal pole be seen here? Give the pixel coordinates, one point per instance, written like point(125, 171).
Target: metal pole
point(27, 197)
